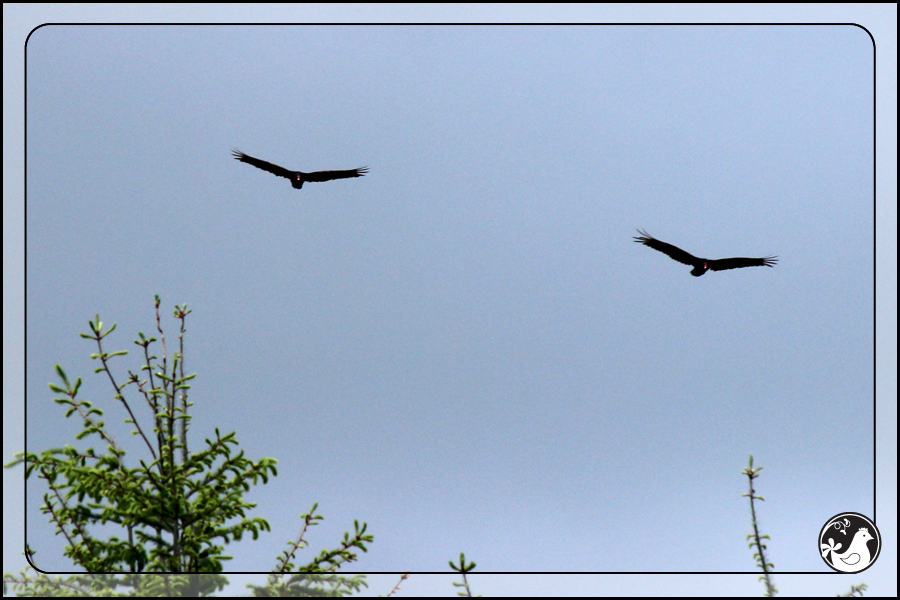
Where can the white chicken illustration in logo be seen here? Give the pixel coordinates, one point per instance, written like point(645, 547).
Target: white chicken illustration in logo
point(855, 558)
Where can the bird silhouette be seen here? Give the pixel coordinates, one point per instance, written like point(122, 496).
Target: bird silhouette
point(298, 178)
point(855, 558)
point(702, 265)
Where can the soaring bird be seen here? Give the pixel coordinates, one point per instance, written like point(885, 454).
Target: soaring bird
point(298, 178)
point(702, 265)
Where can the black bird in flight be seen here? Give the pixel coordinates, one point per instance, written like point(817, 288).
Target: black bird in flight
point(298, 178)
point(702, 265)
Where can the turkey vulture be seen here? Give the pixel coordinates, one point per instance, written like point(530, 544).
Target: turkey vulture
point(298, 177)
point(701, 265)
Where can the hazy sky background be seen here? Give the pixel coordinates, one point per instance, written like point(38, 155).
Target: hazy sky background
point(465, 348)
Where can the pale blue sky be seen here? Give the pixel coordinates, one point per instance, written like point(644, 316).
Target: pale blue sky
point(465, 348)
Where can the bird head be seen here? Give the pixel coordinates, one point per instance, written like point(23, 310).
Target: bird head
point(700, 269)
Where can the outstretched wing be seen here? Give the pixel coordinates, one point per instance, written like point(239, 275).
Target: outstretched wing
point(261, 164)
point(672, 251)
point(723, 264)
point(329, 175)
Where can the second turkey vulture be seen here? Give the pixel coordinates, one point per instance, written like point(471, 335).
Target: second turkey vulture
point(298, 177)
point(702, 265)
